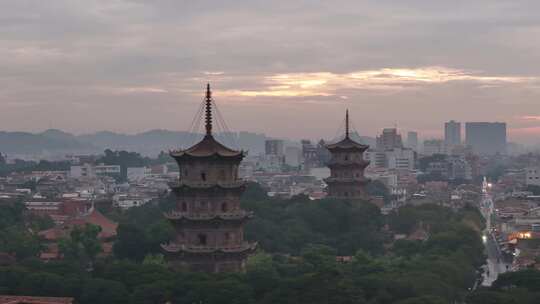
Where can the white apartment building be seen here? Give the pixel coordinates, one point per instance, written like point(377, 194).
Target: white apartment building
point(400, 158)
point(126, 201)
point(135, 174)
point(90, 171)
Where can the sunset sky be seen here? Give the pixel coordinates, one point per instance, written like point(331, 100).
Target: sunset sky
point(285, 68)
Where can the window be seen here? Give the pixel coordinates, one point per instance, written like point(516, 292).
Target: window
point(184, 207)
point(224, 207)
point(202, 239)
point(203, 176)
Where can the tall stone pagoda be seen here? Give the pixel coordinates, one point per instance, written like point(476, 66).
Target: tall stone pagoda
point(347, 165)
point(208, 220)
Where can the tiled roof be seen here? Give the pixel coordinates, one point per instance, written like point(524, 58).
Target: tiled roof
point(209, 146)
point(108, 227)
point(347, 143)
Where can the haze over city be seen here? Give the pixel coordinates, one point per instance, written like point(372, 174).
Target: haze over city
point(131, 66)
point(255, 152)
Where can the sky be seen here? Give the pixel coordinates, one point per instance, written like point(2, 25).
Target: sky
point(285, 68)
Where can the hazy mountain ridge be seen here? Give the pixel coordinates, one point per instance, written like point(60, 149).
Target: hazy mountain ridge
point(48, 141)
point(57, 142)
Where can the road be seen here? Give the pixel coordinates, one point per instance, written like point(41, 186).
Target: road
point(496, 263)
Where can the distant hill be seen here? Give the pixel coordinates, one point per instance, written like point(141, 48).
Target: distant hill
point(56, 142)
point(50, 141)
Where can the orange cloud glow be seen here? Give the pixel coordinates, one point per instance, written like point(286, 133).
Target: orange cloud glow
point(388, 79)
point(530, 118)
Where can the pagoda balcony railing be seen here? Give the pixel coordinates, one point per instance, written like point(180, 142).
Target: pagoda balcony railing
point(232, 215)
point(173, 247)
point(346, 179)
point(361, 162)
point(207, 184)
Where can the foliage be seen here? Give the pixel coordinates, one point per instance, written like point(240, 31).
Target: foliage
point(286, 226)
point(377, 188)
point(155, 259)
point(15, 237)
point(19, 242)
point(141, 231)
point(528, 279)
point(83, 245)
point(297, 259)
point(433, 217)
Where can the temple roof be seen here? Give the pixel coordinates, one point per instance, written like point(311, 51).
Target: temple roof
point(94, 217)
point(208, 146)
point(347, 144)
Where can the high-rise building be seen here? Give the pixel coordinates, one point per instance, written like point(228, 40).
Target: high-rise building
point(274, 147)
point(309, 154)
point(433, 146)
point(486, 138)
point(412, 140)
point(293, 156)
point(208, 220)
point(452, 133)
point(389, 140)
point(347, 165)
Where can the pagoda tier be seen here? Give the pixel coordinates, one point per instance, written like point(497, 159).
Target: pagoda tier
point(343, 164)
point(208, 220)
point(342, 180)
point(233, 249)
point(198, 185)
point(347, 145)
point(237, 215)
point(207, 148)
point(347, 165)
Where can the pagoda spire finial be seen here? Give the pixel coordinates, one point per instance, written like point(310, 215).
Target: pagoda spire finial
point(208, 112)
point(347, 123)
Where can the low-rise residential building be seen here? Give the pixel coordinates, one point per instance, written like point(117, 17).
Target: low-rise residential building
point(88, 171)
point(126, 201)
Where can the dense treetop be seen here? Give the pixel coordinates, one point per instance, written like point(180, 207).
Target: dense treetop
point(299, 240)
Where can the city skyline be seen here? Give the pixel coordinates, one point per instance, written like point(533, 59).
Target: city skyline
point(81, 66)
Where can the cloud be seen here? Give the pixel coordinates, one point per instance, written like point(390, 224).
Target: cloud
point(388, 61)
point(529, 118)
point(137, 90)
point(216, 73)
point(385, 79)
